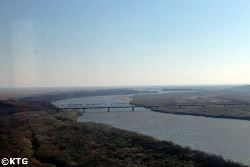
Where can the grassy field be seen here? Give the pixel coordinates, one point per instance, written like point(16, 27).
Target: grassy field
point(34, 129)
point(237, 95)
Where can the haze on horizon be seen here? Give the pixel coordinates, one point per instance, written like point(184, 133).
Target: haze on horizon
point(124, 43)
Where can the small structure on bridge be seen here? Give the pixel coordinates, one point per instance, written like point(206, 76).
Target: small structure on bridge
point(98, 106)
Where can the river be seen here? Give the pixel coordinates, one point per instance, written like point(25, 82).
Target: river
point(229, 138)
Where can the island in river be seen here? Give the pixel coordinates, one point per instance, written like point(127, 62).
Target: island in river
point(226, 102)
point(35, 129)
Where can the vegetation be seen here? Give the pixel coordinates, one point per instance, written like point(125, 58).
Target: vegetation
point(237, 95)
point(36, 130)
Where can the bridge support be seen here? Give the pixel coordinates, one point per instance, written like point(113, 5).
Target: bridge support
point(108, 109)
point(133, 108)
point(83, 110)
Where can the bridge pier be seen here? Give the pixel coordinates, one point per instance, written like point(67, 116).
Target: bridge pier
point(83, 110)
point(108, 109)
point(133, 108)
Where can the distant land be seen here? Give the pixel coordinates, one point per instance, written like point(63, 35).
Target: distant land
point(179, 89)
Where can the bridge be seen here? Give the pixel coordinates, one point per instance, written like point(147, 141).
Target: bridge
point(98, 106)
point(128, 105)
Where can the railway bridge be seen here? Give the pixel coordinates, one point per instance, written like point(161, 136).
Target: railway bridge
point(128, 105)
point(98, 106)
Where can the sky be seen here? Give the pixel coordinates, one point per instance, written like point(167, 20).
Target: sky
point(59, 43)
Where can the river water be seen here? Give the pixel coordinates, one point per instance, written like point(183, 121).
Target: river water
point(229, 138)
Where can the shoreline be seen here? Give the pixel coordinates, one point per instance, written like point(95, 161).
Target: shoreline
point(201, 115)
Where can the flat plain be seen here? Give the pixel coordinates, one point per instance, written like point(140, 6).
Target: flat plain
point(233, 102)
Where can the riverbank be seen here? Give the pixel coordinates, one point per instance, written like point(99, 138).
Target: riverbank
point(49, 138)
point(190, 99)
point(203, 115)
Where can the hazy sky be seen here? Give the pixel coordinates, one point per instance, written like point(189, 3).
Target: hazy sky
point(124, 43)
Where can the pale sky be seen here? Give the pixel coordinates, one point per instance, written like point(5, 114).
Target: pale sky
point(124, 42)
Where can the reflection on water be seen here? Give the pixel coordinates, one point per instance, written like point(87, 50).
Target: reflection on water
point(227, 137)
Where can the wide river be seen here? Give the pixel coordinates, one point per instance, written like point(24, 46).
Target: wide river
point(229, 138)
